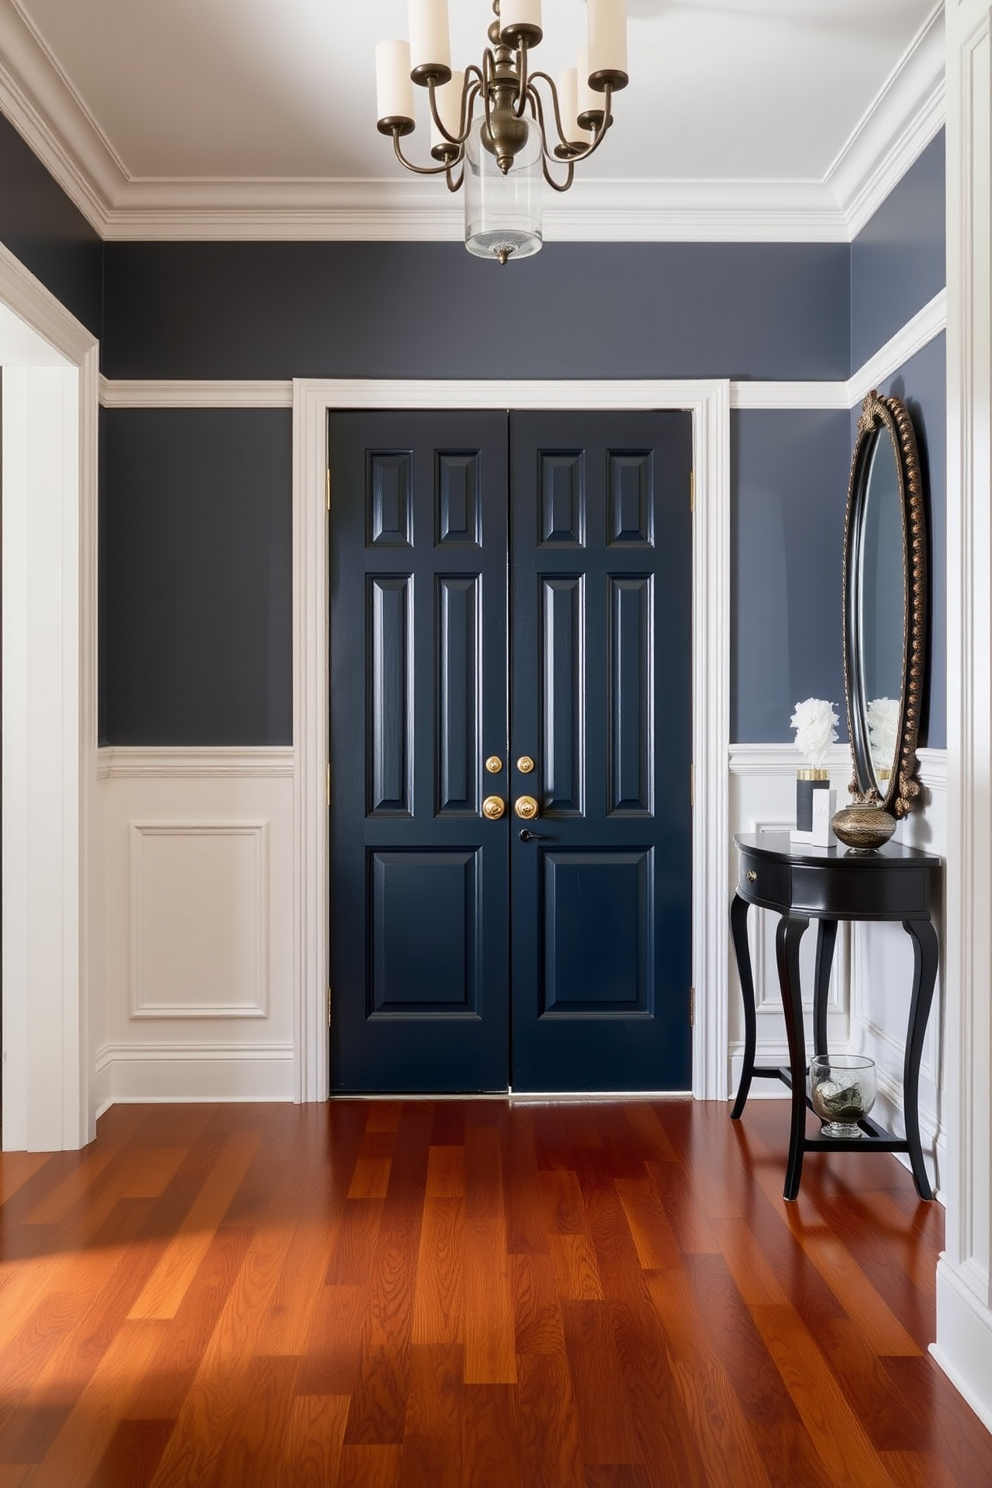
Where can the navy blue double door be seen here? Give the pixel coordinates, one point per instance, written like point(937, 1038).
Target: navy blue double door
point(506, 589)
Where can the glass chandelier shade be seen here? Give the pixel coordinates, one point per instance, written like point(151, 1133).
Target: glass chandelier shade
point(501, 128)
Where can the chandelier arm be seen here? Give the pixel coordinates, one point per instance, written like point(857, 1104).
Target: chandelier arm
point(469, 93)
point(557, 185)
point(603, 126)
point(420, 170)
point(451, 182)
point(538, 104)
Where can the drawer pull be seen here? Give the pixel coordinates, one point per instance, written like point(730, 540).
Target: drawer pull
point(752, 877)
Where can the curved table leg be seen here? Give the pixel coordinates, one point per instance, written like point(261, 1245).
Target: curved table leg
point(826, 936)
point(738, 930)
point(787, 939)
point(924, 939)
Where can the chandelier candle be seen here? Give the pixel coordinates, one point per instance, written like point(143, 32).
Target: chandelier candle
point(502, 127)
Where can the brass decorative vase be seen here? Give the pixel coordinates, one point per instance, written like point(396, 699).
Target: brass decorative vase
point(865, 828)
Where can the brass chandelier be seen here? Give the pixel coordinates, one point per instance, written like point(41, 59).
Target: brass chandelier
point(491, 128)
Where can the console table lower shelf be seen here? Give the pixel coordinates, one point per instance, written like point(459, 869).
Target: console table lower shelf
point(829, 885)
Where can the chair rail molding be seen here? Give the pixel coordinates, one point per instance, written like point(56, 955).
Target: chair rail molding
point(709, 403)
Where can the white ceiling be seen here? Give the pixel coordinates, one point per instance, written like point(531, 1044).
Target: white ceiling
point(207, 118)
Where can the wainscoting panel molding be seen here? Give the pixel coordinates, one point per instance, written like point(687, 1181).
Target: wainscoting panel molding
point(199, 919)
point(199, 944)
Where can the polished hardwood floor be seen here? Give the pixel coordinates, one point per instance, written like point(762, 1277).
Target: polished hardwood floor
point(460, 1294)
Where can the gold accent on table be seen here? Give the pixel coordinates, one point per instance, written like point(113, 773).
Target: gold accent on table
point(751, 876)
point(526, 808)
point(493, 807)
point(525, 764)
point(812, 774)
point(494, 764)
point(863, 827)
point(893, 415)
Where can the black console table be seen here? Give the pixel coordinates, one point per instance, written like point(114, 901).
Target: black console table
point(829, 884)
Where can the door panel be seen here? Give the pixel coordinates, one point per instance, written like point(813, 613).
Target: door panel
point(599, 677)
point(419, 956)
point(601, 698)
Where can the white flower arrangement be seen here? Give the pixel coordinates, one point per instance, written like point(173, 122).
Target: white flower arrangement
point(883, 732)
point(815, 722)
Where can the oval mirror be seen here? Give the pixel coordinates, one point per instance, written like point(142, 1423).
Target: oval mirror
point(884, 605)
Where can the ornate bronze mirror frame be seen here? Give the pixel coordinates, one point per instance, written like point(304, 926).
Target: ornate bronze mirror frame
point(885, 595)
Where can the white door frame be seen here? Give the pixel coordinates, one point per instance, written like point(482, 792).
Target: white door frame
point(51, 875)
point(709, 403)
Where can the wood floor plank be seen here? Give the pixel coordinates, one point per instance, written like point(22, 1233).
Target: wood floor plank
point(606, 1428)
point(711, 1403)
point(132, 1454)
point(549, 1428)
point(314, 1438)
point(174, 1273)
point(432, 1439)
point(836, 1432)
point(490, 1350)
point(439, 1289)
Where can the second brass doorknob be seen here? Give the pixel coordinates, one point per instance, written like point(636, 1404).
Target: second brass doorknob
point(526, 807)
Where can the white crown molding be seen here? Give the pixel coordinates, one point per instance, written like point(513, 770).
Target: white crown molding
point(250, 762)
point(121, 393)
point(900, 122)
point(39, 101)
point(36, 97)
point(389, 210)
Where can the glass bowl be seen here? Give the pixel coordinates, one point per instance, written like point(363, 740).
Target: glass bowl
point(842, 1088)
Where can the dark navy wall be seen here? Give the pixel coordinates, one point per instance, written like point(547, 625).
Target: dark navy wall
point(43, 229)
point(898, 259)
point(196, 576)
point(431, 310)
point(922, 385)
point(789, 473)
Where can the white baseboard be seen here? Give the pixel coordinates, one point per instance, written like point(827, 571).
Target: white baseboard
point(161, 1072)
point(964, 1341)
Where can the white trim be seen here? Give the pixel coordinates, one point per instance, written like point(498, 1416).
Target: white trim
point(54, 120)
point(58, 841)
point(198, 1070)
point(767, 395)
point(924, 327)
point(781, 759)
point(964, 1340)
point(253, 762)
point(710, 404)
point(124, 393)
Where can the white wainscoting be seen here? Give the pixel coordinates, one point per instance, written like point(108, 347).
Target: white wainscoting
point(873, 964)
point(199, 944)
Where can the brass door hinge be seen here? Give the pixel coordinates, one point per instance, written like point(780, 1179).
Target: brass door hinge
point(329, 1002)
point(327, 487)
point(692, 1007)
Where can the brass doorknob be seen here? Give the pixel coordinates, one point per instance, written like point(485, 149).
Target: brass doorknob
point(526, 807)
point(494, 764)
point(525, 764)
point(493, 807)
